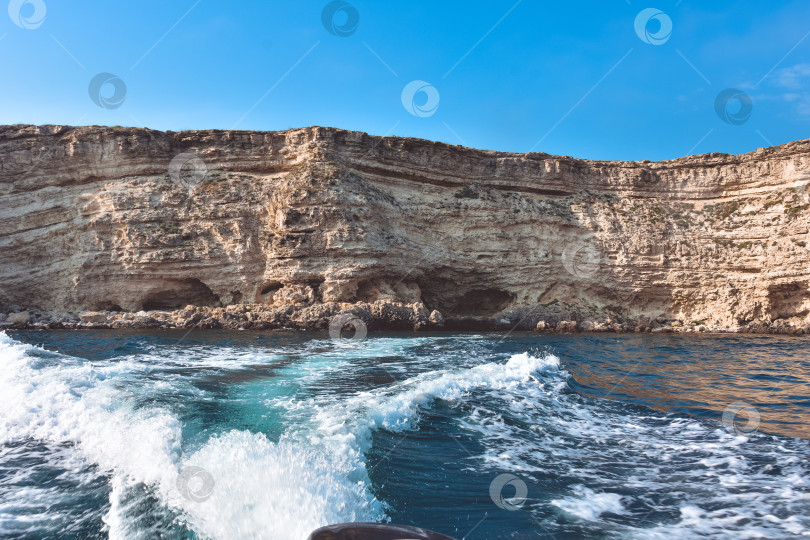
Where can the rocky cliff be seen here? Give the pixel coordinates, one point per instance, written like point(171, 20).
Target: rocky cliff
point(269, 229)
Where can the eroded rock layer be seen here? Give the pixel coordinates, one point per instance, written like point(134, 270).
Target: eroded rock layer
point(319, 219)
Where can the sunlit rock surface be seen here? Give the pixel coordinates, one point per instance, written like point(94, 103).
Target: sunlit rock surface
point(310, 222)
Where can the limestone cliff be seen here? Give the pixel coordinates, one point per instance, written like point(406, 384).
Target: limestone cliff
point(124, 219)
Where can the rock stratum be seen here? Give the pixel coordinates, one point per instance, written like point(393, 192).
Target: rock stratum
point(122, 227)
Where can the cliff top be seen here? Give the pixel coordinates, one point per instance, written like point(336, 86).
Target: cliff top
point(715, 158)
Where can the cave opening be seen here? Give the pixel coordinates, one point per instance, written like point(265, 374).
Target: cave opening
point(482, 302)
point(107, 306)
point(271, 288)
point(445, 295)
point(180, 293)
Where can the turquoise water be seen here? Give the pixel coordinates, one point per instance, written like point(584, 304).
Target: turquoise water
point(271, 435)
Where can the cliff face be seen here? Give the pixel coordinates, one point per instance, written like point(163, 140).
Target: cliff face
point(95, 218)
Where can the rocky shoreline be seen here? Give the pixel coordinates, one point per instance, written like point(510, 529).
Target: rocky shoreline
point(347, 320)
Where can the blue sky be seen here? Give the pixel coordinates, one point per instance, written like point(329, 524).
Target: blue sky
point(571, 78)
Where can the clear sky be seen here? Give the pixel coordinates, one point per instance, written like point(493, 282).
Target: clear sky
point(606, 79)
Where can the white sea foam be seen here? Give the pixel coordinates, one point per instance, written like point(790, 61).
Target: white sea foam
point(275, 490)
point(348, 425)
point(58, 400)
point(262, 489)
point(652, 456)
point(317, 474)
point(588, 505)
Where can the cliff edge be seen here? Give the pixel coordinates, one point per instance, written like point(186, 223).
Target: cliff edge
point(287, 229)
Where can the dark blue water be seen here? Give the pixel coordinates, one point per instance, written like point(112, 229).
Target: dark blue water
point(270, 435)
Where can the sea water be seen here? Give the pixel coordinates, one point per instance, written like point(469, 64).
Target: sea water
point(228, 435)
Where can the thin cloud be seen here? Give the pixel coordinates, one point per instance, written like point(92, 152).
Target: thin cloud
point(787, 85)
point(793, 78)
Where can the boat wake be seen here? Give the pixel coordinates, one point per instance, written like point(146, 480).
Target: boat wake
point(229, 442)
